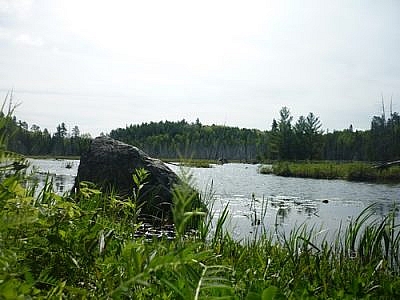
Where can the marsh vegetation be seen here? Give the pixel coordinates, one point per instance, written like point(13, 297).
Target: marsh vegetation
point(356, 171)
point(87, 247)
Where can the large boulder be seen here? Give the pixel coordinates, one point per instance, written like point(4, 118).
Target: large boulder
point(110, 165)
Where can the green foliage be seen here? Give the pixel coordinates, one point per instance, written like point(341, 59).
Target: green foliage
point(57, 247)
point(361, 172)
point(287, 140)
point(301, 141)
point(198, 163)
point(187, 209)
point(306, 141)
point(194, 141)
point(36, 142)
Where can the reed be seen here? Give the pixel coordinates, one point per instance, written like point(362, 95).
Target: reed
point(330, 170)
point(54, 246)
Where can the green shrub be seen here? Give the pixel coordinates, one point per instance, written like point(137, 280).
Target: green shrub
point(265, 169)
point(361, 172)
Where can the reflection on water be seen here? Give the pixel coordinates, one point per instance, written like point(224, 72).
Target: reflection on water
point(61, 172)
point(264, 203)
point(290, 201)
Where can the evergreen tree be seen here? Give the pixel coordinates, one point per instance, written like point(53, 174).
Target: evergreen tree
point(313, 134)
point(283, 139)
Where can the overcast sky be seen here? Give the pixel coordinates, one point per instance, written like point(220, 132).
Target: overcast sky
point(107, 64)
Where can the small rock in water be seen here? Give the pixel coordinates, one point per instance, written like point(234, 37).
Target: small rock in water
point(325, 201)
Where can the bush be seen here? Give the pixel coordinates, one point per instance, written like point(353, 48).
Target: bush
point(361, 172)
point(265, 169)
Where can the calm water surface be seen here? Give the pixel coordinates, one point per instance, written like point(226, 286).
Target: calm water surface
point(265, 202)
point(62, 172)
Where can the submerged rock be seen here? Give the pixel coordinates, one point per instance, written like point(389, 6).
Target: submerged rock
point(110, 165)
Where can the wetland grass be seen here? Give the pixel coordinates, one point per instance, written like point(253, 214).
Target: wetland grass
point(357, 171)
point(191, 163)
point(58, 247)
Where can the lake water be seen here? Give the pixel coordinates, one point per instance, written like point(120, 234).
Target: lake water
point(258, 202)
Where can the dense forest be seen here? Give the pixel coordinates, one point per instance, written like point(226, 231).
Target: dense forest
point(36, 142)
point(287, 139)
point(194, 140)
point(304, 140)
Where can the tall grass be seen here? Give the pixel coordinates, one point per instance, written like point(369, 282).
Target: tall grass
point(56, 246)
point(330, 170)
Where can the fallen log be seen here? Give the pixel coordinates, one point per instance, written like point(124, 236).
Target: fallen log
point(387, 165)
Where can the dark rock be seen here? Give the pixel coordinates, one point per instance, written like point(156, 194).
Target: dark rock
point(110, 165)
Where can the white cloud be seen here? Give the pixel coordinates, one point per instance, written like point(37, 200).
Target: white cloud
point(19, 8)
point(239, 60)
point(5, 34)
point(28, 40)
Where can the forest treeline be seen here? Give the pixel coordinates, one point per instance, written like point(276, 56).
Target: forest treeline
point(287, 139)
point(181, 139)
point(304, 140)
point(36, 142)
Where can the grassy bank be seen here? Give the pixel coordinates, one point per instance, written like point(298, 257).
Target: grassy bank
point(199, 163)
point(88, 247)
point(330, 170)
point(54, 157)
point(192, 163)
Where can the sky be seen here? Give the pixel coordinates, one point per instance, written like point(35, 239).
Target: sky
point(103, 65)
